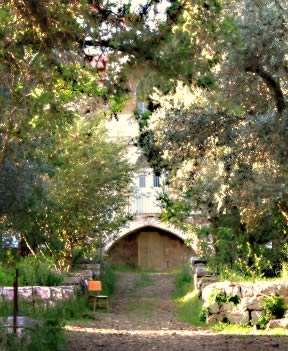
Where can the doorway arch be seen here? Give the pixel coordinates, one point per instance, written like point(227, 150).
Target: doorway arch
point(150, 247)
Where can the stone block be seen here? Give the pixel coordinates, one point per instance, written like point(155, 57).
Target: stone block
point(278, 323)
point(95, 268)
point(25, 292)
point(86, 274)
point(233, 289)
point(204, 281)
point(41, 292)
point(8, 293)
point(252, 303)
point(67, 293)
point(22, 324)
point(255, 315)
point(215, 318)
point(285, 299)
point(209, 289)
point(282, 289)
point(213, 308)
point(227, 307)
point(200, 270)
point(238, 317)
point(264, 288)
point(72, 280)
point(56, 293)
point(246, 289)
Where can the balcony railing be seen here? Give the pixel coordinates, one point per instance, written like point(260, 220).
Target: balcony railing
point(143, 204)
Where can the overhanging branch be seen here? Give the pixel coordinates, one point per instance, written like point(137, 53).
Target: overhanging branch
point(272, 84)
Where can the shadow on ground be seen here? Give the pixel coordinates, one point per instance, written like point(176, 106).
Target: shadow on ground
point(88, 339)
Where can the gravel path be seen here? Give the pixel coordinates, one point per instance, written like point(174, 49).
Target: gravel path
point(142, 318)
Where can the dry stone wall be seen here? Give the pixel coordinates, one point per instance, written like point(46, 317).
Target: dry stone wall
point(251, 299)
point(45, 294)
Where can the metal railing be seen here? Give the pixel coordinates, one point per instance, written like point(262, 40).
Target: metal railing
point(143, 204)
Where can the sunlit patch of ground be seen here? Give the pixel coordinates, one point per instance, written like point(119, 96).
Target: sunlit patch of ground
point(143, 317)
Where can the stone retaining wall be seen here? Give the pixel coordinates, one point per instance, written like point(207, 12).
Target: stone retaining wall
point(251, 299)
point(39, 293)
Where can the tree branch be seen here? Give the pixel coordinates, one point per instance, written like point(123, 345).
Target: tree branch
point(271, 83)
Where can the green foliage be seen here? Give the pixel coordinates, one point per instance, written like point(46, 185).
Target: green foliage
point(108, 278)
point(227, 146)
point(204, 315)
point(220, 297)
point(38, 270)
point(174, 211)
point(188, 304)
point(284, 271)
point(46, 337)
point(77, 256)
point(125, 268)
point(263, 321)
point(235, 299)
point(274, 307)
point(6, 276)
point(88, 200)
point(143, 119)
point(189, 309)
point(48, 334)
point(184, 280)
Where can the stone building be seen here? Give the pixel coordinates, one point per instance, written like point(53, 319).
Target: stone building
point(145, 241)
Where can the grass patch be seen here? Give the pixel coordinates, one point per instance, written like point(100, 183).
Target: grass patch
point(184, 282)
point(188, 304)
point(189, 308)
point(225, 328)
point(141, 311)
point(124, 268)
point(237, 329)
point(48, 334)
point(66, 310)
point(108, 278)
point(143, 280)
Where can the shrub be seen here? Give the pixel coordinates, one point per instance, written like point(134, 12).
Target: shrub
point(43, 337)
point(6, 277)
point(38, 270)
point(221, 297)
point(274, 307)
point(204, 314)
point(184, 281)
point(108, 278)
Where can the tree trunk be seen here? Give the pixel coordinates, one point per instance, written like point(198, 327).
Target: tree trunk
point(283, 208)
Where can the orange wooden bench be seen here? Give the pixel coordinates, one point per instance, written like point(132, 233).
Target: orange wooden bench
point(94, 287)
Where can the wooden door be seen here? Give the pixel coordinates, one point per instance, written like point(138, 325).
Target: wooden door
point(143, 251)
point(150, 250)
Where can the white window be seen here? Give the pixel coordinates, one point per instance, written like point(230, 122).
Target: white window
point(156, 181)
point(142, 181)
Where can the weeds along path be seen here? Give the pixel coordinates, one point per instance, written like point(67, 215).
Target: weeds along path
point(143, 317)
point(143, 300)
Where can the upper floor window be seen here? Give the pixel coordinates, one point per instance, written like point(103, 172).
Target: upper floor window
point(142, 181)
point(156, 181)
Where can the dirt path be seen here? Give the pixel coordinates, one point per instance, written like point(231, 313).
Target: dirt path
point(142, 318)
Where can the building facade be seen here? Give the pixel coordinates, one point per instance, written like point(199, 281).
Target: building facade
point(144, 241)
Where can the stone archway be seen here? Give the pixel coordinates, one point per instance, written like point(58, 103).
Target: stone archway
point(150, 247)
